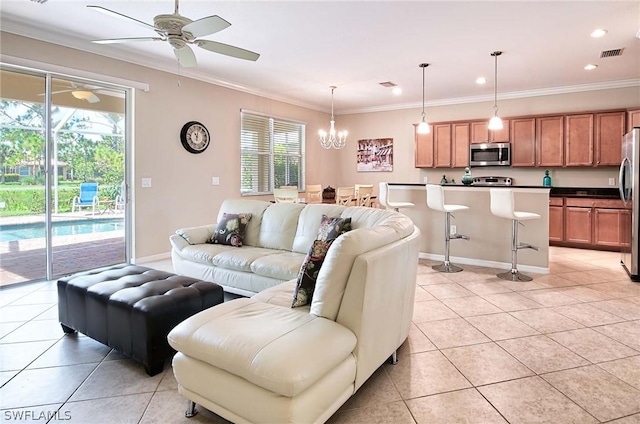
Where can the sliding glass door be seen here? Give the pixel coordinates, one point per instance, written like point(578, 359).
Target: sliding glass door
point(63, 187)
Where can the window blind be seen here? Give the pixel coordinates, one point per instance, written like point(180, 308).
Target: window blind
point(272, 153)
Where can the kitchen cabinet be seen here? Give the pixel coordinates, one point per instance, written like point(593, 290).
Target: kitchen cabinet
point(550, 141)
point(480, 132)
point(446, 146)
point(441, 145)
point(523, 142)
point(633, 119)
point(579, 140)
point(424, 150)
point(556, 219)
point(609, 130)
point(588, 222)
point(460, 145)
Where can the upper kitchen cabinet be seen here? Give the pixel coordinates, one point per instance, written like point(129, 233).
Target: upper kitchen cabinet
point(523, 142)
point(441, 145)
point(550, 141)
point(460, 145)
point(609, 130)
point(633, 119)
point(480, 132)
point(424, 150)
point(579, 140)
point(446, 146)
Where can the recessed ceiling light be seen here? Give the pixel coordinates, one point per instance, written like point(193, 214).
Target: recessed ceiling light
point(598, 33)
point(397, 90)
point(481, 80)
point(590, 67)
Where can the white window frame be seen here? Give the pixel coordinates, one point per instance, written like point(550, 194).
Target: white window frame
point(300, 154)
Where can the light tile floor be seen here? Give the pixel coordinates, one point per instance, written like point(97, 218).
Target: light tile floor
point(564, 348)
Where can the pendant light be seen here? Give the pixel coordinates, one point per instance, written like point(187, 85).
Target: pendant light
point(332, 139)
point(423, 127)
point(495, 123)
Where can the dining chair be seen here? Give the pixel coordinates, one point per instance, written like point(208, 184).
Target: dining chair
point(363, 193)
point(345, 195)
point(313, 193)
point(285, 195)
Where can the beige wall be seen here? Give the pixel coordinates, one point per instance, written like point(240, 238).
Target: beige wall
point(182, 194)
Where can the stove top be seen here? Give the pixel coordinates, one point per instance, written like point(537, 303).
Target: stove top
point(492, 181)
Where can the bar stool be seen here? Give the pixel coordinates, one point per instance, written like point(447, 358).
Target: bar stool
point(435, 201)
point(383, 196)
point(502, 205)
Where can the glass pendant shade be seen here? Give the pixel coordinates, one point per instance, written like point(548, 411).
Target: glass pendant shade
point(495, 123)
point(423, 127)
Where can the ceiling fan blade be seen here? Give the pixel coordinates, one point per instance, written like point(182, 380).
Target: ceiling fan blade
point(120, 16)
point(186, 57)
point(228, 50)
point(126, 40)
point(206, 26)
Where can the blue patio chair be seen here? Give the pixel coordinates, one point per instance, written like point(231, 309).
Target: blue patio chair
point(88, 197)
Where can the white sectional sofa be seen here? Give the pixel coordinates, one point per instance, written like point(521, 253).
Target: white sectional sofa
point(259, 360)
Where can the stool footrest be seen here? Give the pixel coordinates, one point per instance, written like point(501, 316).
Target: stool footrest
point(459, 236)
point(527, 246)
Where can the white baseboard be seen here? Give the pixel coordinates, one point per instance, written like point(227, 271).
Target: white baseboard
point(152, 258)
point(489, 264)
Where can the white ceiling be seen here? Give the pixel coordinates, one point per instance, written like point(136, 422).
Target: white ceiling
point(307, 46)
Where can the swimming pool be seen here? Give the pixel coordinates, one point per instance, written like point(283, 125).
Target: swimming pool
point(59, 228)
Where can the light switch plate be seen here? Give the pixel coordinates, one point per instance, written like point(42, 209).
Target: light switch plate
point(612, 181)
point(146, 182)
point(215, 180)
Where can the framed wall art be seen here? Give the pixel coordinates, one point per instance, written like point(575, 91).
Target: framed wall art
point(375, 155)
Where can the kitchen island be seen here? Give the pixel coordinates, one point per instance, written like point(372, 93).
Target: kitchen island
point(490, 236)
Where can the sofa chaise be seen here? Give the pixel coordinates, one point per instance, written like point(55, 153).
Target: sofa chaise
point(258, 359)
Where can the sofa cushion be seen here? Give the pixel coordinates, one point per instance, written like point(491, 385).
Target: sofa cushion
point(241, 259)
point(280, 349)
point(281, 265)
point(196, 235)
point(231, 229)
point(279, 295)
point(279, 223)
point(309, 222)
point(255, 207)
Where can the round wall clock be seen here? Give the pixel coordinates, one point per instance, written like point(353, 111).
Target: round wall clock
point(195, 137)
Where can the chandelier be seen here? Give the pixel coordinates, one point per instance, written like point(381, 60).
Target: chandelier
point(332, 139)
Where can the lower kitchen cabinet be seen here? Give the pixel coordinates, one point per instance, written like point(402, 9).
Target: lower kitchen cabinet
point(588, 223)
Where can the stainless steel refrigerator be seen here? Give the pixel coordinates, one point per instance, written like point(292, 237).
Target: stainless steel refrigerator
point(629, 184)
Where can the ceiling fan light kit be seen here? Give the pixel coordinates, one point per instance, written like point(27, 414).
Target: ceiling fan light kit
point(180, 32)
point(495, 123)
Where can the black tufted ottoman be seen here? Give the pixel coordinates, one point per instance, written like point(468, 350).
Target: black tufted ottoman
point(132, 308)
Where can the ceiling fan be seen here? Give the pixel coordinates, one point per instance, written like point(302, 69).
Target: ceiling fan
point(80, 93)
point(180, 31)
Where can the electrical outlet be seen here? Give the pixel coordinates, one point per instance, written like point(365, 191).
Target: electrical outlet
point(425, 179)
point(453, 230)
point(215, 180)
point(612, 181)
point(146, 182)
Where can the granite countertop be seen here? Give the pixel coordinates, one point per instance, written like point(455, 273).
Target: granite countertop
point(589, 192)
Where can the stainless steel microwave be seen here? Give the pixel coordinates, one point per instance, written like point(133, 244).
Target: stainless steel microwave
point(490, 154)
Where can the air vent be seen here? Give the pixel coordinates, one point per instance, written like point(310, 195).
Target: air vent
point(611, 53)
point(388, 84)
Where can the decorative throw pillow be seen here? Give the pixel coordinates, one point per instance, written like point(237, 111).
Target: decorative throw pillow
point(230, 230)
point(308, 274)
point(331, 228)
